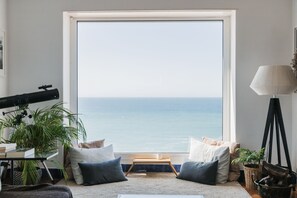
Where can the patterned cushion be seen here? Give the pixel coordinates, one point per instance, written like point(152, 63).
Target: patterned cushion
point(92, 144)
point(234, 169)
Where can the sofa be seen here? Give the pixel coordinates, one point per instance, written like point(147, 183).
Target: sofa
point(33, 191)
point(36, 191)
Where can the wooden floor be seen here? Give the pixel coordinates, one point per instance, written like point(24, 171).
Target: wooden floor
point(253, 193)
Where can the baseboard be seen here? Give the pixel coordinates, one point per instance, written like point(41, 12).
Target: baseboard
point(151, 168)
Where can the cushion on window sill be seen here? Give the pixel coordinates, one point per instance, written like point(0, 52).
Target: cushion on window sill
point(201, 152)
point(93, 155)
point(201, 172)
point(92, 144)
point(234, 169)
point(101, 173)
point(67, 163)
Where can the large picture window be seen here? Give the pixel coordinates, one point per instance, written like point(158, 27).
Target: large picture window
point(148, 84)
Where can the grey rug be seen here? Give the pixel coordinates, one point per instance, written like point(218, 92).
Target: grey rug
point(156, 183)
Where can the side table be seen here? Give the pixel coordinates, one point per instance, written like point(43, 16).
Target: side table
point(42, 158)
point(152, 161)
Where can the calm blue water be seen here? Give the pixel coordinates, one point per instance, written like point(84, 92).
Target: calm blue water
point(151, 124)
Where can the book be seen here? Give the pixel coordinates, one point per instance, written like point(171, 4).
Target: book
point(7, 147)
point(21, 152)
point(2, 155)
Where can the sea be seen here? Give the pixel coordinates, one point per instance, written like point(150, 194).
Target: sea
point(151, 124)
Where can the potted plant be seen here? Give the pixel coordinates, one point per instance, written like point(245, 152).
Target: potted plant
point(251, 161)
point(42, 129)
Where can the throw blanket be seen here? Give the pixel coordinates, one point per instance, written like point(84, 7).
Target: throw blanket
point(32, 191)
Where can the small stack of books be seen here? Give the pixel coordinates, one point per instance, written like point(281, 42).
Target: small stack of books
point(20, 152)
point(4, 148)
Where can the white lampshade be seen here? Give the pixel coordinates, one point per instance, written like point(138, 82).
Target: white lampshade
point(274, 80)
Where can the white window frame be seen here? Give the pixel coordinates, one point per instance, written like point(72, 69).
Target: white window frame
point(70, 64)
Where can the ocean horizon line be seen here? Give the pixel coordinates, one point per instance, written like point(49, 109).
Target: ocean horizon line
point(146, 97)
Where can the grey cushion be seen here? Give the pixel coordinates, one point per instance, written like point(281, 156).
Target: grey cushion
point(100, 173)
point(201, 172)
point(92, 155)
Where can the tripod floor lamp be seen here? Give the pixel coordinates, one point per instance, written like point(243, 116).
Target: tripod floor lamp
point(275, 80)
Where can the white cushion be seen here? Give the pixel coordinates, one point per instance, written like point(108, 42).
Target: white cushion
point(96, 155)
point(201, 152)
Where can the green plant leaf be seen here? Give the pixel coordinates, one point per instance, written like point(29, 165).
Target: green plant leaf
point(43, 131)
point(247, 156)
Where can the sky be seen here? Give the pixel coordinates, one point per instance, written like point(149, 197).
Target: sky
point(150, 59)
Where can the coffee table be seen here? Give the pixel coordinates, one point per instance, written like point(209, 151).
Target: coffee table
point(159, 196)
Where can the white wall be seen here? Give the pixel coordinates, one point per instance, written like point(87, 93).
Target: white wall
point(264, 36)
point(3, 27)
point(294, 97)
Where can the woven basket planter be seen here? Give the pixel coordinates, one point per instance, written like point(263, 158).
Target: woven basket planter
point(251, 172)
point(17, 177)
point(274, 191)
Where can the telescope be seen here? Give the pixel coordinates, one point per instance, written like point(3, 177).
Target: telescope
point(28, 98)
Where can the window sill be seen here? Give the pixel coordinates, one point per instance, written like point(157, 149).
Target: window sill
point(176, 157)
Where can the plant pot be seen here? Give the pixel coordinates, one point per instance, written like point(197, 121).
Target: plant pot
point(251, 173)
point(17, 177)
point(274, 191)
